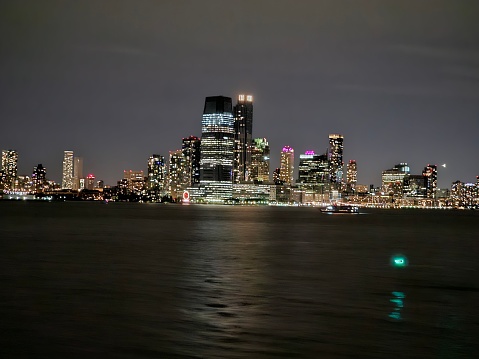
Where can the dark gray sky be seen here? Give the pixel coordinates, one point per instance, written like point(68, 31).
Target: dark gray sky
point(116, 81)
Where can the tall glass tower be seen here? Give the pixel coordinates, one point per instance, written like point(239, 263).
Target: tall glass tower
point(335, 156)
point(39, 178)
point(9, 167)
point(178, 174)
point(217, 148)
point(260, 155)
point(286, 165)
point(77, 172)
point(192, 153)
point(313, 169)
point(430, 180)
point(156, 173)
point(352, 175)
point(243, 117)
point(67, 173)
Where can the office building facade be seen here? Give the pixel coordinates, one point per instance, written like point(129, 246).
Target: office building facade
point(243, 138)
point(351, 176)
point(77, 172)
point(39, 178)
point(178, 174)
point(217, 148)
point(335, 155)
point(414, 186)
point(156, 173)
point(9, 168)
point(191, 147)
point(286, 169)
point(393, 179)
point(260, 161)
point(430, 181)
point(67, 170)
point(90, 182)
point(313, 169)
point(133, 182)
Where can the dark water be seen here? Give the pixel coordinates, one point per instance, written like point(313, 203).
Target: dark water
point(88, 280)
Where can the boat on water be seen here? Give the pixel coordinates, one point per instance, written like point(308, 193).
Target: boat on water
point(340, 208)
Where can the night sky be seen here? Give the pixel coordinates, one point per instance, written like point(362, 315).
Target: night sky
point(116, 81)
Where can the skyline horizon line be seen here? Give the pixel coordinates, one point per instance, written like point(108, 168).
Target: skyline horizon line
point(270, 175)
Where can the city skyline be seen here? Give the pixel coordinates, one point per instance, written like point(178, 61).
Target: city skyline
point(72, 166)
point(320, 177)
point(132, 82)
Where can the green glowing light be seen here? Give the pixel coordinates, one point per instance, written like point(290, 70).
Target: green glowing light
point(399, 261)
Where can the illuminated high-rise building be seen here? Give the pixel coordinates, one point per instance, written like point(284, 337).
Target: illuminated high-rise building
point(243, 136)
point(192, 153)
point(77, 172)
point(90, 182)
point(156, 173)
point(178, 174)
point(464, 195)
point(134, 181)
point(335, 155)
point(414, 186)
point(430, 181)
point(67, 173)
point(286, 165)
point(277, 176)
point(393, 180)
point(9, 168)
point(352, 175)
point(39, 178)
point(260, 156)
point(217, 148)
point(313, 169)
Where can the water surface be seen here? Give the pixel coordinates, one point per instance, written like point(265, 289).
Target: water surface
point(123, 280)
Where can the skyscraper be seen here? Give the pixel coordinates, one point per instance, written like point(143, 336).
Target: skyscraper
point(217, 148)
point(430, 180)
point(134, 181)
point(77, 172)
point(156, 173)
point(178, 174)
point(352, 175)
point(67, 173)
point(9, 168)
point(90, 182)
point(336, 160)
point(260, 160)
point(464, 195)
point(39, 178)
point(192, 153)
point(243, 128)
point(313, 169)
point(286, 165)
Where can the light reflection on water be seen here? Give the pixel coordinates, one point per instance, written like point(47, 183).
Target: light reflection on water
point(398, 301)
